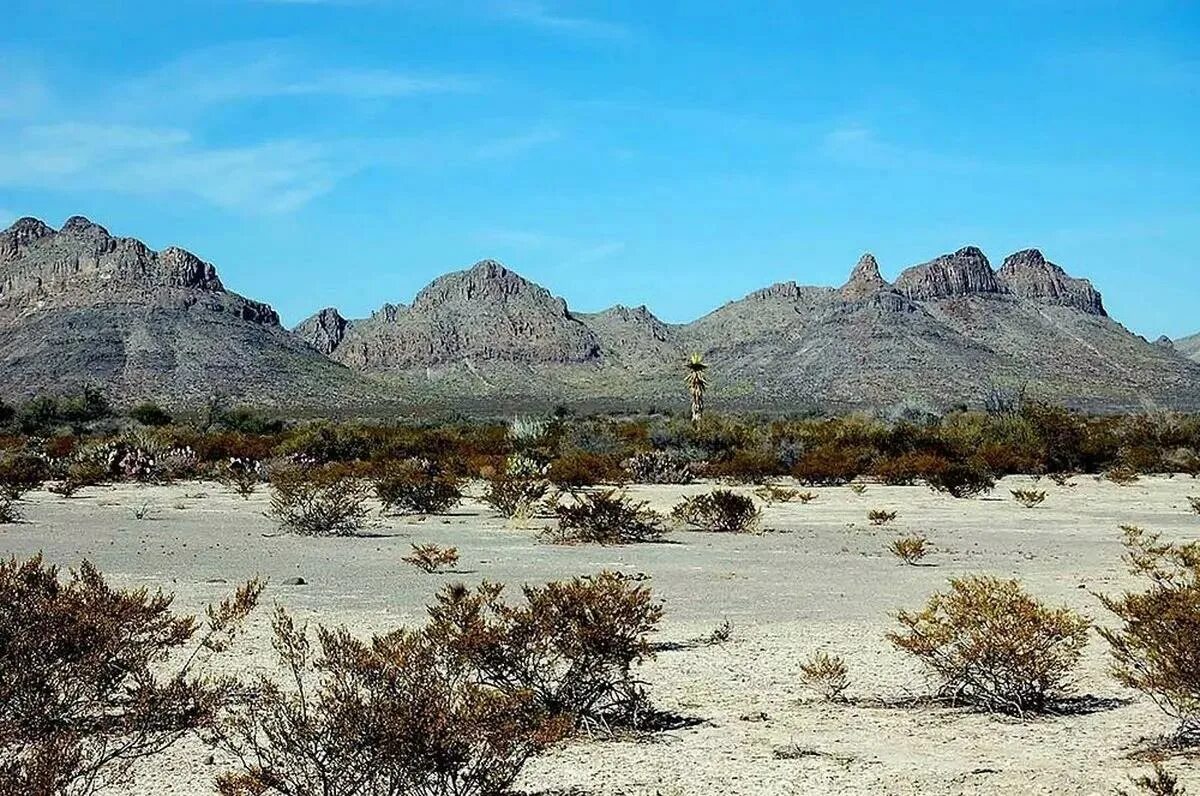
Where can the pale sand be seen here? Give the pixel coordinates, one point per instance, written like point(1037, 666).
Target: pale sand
point(819, 579)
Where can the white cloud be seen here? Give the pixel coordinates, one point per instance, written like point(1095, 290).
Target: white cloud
point(538, 14)
point(511, 146)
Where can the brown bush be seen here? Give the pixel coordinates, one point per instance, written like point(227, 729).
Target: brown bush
point(9, 513)
point(606, 517)
point(721, 511)
point(962, 480)
point(1121, 475)
point(318, 502)
point(402, 713)
point(827, 675)
point(994, 646)
point(1159, 782)
point(1154, 650)
point(908, 468)
point(910, 549)
point(430, 558)
point(658, 467)
point(579, 469)
point(87, 686)
point(417, 487)
point(830, 465)
point(515, 496)
point(1029, 498)
point(1194, 502)
point(21, 473)
point(572, 645)
point(746, 467)
point(880, 517)
point(769, 494)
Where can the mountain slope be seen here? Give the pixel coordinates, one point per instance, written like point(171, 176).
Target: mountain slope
point(78, 305)
point(1189, 347)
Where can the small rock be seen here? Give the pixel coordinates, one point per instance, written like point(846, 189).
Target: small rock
point(294, 582)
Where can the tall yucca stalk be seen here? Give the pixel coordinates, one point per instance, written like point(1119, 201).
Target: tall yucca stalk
point(697, 383)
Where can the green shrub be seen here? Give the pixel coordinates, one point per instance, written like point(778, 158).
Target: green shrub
point(962, 480)
point(417, 487)
point(21, 473)
point(149, 414)
point(318, 503)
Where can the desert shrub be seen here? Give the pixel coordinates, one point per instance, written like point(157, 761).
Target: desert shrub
point(607, 517)
point(1194, 502)
point(1062, 479)
point(318, 503)
point(242, 475)
point(769, 494)
point(93, 679)
point(881, 517)
point(513, 496)
point(658, 467)
point(825, 674)
point(746, 466)
point(1159, 782)
point(964, 479)
point(430, 558)
point(417, 487)
point(572, 645)
point(580, 469)
point(149, 414)
point(721, 510)
point(858, 488)
point(994, 646)
point(910, 549)
point(908, 468)
point(1154, 650)
point(402, 713)
point(807, 497)
point(830, 465)
point(9, 513)
point(1121, 475)
point(1029, 498)
point(21, 473)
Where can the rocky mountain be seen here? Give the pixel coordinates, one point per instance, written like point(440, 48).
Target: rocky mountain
point(945, 331)
point(1189, 347)
point(78, 305)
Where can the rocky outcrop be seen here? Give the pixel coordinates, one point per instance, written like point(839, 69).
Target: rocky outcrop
point(1189, 347)
point(80, 305)
point(963, 273)
point(323, 330)
point(1028, 274)
point(486, 313)
point(865, 280)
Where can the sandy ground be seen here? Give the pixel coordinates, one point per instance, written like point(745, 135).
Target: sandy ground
point(818, 578)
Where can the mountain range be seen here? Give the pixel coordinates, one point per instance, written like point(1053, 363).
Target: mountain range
point(80, 305)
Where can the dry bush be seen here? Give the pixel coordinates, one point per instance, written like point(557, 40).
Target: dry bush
point(826, 674)
point(607, 517)
point(572, 645)
point(962, 479)
point(880, 517)
point(1062, 479)
point(9, 513)
point(1154, 650)
point(807, 497)
point(910, 549)
point(994, 646)
point(721, 510)
point(908, 468)
point(429, 558)
point(658, 467)
point(318, 502)
point(242, 476)
point(417, 487)
point(1029, 498)
point(770, 494)
point(78, 473)
point(21, 473)
point(402, 713)
point(515, 497)
point(1159, 782)
point(746, 467)
point(1194, 502)
point(579, 468)
point(1121, 475)
point(93, 679)
point(829, 465)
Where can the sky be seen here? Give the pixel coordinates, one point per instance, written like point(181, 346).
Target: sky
point(677, 154)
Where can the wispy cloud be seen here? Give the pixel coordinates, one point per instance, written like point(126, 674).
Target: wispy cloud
point(511, 146)
point(862, 147)
point(567, 251)
point(540, 15)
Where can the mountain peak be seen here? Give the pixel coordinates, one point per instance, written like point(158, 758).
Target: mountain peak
point(964, 272)
point(324, 330)
point(865, 279)
point(1028, 274)
point(79, 225)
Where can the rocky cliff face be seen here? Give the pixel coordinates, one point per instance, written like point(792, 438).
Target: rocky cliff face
point(1028, 274)
point(80, 305)
point(963, 273)
point(324, 330)
point(865, 280)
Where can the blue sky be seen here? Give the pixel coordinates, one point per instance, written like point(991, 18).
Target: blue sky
point(678, 154)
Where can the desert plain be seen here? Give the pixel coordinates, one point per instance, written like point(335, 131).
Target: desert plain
point(817, 577)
